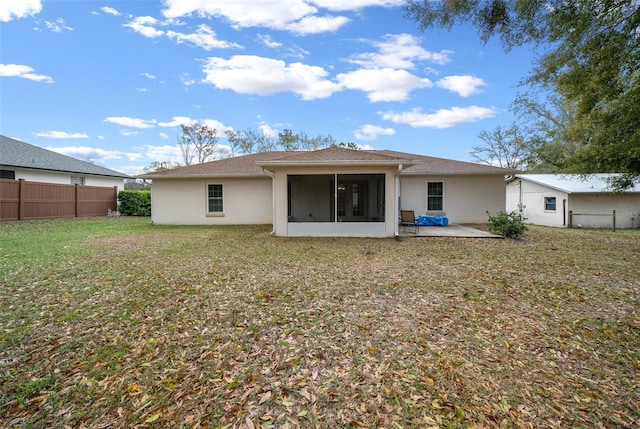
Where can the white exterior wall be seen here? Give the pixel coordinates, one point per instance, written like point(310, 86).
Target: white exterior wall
point(533, 207)
point(467, 198)
point(65, 178)
point(184, 201)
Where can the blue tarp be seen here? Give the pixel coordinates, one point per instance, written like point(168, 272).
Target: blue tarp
point(432, 220)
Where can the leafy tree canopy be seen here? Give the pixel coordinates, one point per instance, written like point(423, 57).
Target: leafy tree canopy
point(591, 59)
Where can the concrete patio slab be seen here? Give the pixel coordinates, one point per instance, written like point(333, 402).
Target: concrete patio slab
point(452, 230)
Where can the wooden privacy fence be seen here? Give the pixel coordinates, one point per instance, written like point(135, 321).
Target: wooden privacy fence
point(22, 200)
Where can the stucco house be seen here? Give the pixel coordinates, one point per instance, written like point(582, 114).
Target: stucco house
point(20, 160)
point(564, 200)
point(326, 192)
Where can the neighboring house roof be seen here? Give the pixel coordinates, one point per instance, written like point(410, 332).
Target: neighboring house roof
point(576, 183)
point(17, 154)
point(252, 165)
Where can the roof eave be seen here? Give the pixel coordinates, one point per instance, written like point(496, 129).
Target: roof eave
point(201, 176)
point(121, 176)
point(456, 173)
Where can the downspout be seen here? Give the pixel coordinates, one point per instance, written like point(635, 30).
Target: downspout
point(396, 203)
point(273, 199)
point(520, 206)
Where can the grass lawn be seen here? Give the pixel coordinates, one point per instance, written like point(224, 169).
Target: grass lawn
point(117, 323)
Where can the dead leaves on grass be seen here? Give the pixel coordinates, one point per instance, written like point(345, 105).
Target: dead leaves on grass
point(320, 333)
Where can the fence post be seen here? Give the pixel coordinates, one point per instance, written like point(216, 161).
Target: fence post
point(115, 198)
point(21, 199)
point(614, 221)
point(570, 218)
point(77, 199)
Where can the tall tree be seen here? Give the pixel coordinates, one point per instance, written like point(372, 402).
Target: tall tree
point(197, 141)
point(553, 131)
point(288, 141)
point(159, 166)
point(249, 141)
point(591, 58)
point(503, 147)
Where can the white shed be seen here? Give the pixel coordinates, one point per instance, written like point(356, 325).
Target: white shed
point(565, 200)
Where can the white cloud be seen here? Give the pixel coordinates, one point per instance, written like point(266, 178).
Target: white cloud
point(267, 129)
point(217, 125)
point(142, 89)
point(371, 132)
point(383, 84)
point(163, 153)
point(58, 26)
point(276, 14)
point(163, 135)
point(110, 11)
point(131, 122)
point(145, 25)
point(299, 16)
point(95, 154)
point(187, 80)
point(399, 51)
point(317, 24)
point(61, 135)
point(443, 118)
point(10, 9)
point(177, 121)
point(148, 75)
point(25, 72)
point(249, 74)
point(463, 85)
point(204, 37)
point(344, 5)
point(266, 40)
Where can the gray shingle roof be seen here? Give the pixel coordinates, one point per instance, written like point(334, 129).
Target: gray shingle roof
point(18, 154)
point(432, 165)
point(237, 166)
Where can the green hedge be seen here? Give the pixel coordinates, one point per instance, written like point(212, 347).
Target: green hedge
point(134, 203)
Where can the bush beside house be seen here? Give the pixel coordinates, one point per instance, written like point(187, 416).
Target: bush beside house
point(134, 203)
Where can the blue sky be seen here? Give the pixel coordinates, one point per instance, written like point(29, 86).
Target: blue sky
point(111, 81)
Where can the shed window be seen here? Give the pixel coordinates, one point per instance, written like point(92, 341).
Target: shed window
point(214, 198)
point(77, 180)
point(435, 196)
point(550, 204)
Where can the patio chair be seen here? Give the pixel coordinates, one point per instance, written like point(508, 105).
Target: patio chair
point(408, 219)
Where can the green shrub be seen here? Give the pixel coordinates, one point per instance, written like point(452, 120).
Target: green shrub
point(507, 224)
point(134, 203)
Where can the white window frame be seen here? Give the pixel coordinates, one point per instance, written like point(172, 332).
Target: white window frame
point(77, 180)
point(209, 199)
point(443, 196)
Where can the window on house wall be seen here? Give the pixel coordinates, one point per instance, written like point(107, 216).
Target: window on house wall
point(435, 196)
point(550, 204)
point(8, 174)
point(214, 198)
point(77, 180)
